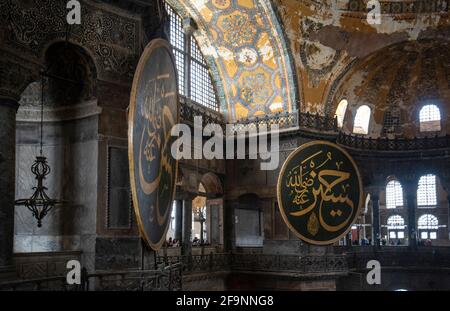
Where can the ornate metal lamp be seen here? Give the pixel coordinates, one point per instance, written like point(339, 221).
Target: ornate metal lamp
point(39, 203)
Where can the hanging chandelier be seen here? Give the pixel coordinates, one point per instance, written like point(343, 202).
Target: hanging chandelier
point(39, 203)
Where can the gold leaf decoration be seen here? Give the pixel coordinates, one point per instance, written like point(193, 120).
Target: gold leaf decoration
point(313, 224)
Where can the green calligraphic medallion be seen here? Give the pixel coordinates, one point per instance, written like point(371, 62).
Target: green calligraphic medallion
point(152, 114)
point(319, 192)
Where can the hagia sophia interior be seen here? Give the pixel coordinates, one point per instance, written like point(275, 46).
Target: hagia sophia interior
point(319, 69)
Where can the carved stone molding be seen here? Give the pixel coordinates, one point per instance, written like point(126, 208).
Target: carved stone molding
point(111, 38)
point(15, 75)
point(84, 110)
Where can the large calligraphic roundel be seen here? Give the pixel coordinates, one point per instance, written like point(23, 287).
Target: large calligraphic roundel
point(153, 112)
point(319, 192)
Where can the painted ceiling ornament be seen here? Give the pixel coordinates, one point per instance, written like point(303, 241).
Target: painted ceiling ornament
point(318, 59)
point(319, 192)
point(237, 29)
point(221, 4)
point(255, 89)
point(247, 56)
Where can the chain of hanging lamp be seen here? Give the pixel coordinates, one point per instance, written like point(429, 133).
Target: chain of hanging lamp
point(39, 203)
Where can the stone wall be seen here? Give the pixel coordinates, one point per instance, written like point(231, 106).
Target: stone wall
point(71, 148)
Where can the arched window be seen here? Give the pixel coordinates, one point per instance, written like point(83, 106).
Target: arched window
point(396, 227)
point(430, 118)
point(426, 191)
point(362, 118)
point(198, 83)
point(340, 112)
point(394, 194)
point(427, 225)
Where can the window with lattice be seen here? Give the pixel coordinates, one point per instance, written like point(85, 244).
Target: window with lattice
point(430, 118)
point(394, 194)
point(193, 72)
point(391, 122)
point(426, 191)
point(428, 225)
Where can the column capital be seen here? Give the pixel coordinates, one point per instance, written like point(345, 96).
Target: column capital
point(184, 195)
point(189, 26)
point(8, 102)
point(409, 181)
point(374, 191)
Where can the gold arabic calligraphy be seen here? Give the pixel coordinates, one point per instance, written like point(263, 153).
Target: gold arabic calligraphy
point(155, 141)
point(311, 187)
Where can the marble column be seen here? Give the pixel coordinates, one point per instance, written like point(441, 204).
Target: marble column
point(375, 218)
point(411, 202)
point(229, 226)
point(178, 220)
point(186, 249)
point(189, 26)
point(16, 73)
point(8, 109)
point(448, 220)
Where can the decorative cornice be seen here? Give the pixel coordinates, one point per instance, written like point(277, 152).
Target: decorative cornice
point(33, 114)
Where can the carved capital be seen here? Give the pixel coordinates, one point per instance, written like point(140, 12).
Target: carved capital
point(374, 191)
point(189, 26)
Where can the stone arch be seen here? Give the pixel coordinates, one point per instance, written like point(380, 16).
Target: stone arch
point(249, 200)
point(72, 73)
point(212, 184)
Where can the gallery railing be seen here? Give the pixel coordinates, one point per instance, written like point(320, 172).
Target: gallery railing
point(396, 144)
point(399, 256)
point(189, 109)
point(260, 262)
point(317, 122)
point(167, 279)
point(284, 120)
point(294, 263)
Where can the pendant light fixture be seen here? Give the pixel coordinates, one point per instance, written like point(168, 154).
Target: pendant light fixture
point(39, 203)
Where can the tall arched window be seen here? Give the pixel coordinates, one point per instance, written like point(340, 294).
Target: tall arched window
point(430, 118)
point(362, 118)
point(427, 225)
point(197, 85)
point(394, 194)
point(340, 112)
point(396, 227)
point(426, 191)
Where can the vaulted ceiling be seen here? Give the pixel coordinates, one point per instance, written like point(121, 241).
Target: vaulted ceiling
point(271, 56)
point(244, 45)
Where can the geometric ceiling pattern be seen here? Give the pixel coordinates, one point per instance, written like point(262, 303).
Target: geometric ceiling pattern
point(243, 43)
